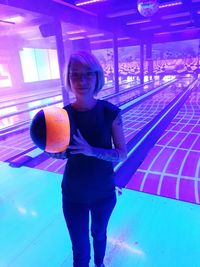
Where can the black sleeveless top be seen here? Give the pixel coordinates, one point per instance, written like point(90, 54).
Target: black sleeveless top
point(85, 178)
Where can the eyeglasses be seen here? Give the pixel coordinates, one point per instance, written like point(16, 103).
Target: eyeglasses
point(80, 75)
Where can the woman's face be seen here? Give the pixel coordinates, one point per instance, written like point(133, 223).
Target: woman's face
point(82, 79)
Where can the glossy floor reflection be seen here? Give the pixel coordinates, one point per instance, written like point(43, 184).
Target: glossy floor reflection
point(144, 231)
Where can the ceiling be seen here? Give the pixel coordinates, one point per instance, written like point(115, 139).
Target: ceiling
point(98, 21)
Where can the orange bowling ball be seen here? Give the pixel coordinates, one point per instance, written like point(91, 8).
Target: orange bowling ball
point(50, 129)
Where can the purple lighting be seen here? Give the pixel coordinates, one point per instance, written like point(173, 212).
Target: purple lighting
point(82, 3)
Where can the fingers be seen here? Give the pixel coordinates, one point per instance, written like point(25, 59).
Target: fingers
point(77, 152)
point(79, 142)
point(79, 133)
point(75, 147)
point(75, 137)
point(61, 155)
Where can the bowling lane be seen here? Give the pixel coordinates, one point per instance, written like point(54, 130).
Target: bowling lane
point(172, 167)
point(137, 117)
point(131, 94)
point(9, 101)
point(21, 143)
point(14, 145)
point(46, 93)
point(19, 119)
point(34, 94)
point(23, 108)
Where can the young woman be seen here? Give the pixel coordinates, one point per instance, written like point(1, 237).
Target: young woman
point(88, 185)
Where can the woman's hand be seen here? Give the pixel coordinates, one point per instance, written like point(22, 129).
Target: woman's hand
point(80, 146)
point(60, 155)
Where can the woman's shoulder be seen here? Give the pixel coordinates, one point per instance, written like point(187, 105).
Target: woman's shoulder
point(110, 110)
point(108, 105)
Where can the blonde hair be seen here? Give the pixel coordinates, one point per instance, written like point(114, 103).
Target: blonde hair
point(90, 61)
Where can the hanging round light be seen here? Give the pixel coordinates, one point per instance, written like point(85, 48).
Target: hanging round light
point(147, 8)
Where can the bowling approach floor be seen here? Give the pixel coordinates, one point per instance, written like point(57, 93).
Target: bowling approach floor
point(144, 230)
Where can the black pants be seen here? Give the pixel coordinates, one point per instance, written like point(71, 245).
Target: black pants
point(77, 220)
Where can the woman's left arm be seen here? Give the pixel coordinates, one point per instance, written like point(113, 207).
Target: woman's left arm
point(118, 137)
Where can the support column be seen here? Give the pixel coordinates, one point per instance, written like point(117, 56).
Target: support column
point(198, 64)
point(141, 63)
point(116, 64)
point(61, 60)
point(15, 69)
point(149, 60)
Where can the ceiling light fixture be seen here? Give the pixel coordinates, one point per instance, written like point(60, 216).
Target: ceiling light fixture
point(75, 31)
point(161, 33)
point(12, 19)
point(169, 33)
point(95, 35)
point(123, 38)
point(75, 7)
point(122, 13)
point(101, 41)
point(138, 22)
point(87, 2)
point(177, 15)
point(170, 4)
point(180, 23)
point(76, 38)
point(7, 22)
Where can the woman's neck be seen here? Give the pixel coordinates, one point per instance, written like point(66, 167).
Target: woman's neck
point(84, 104)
